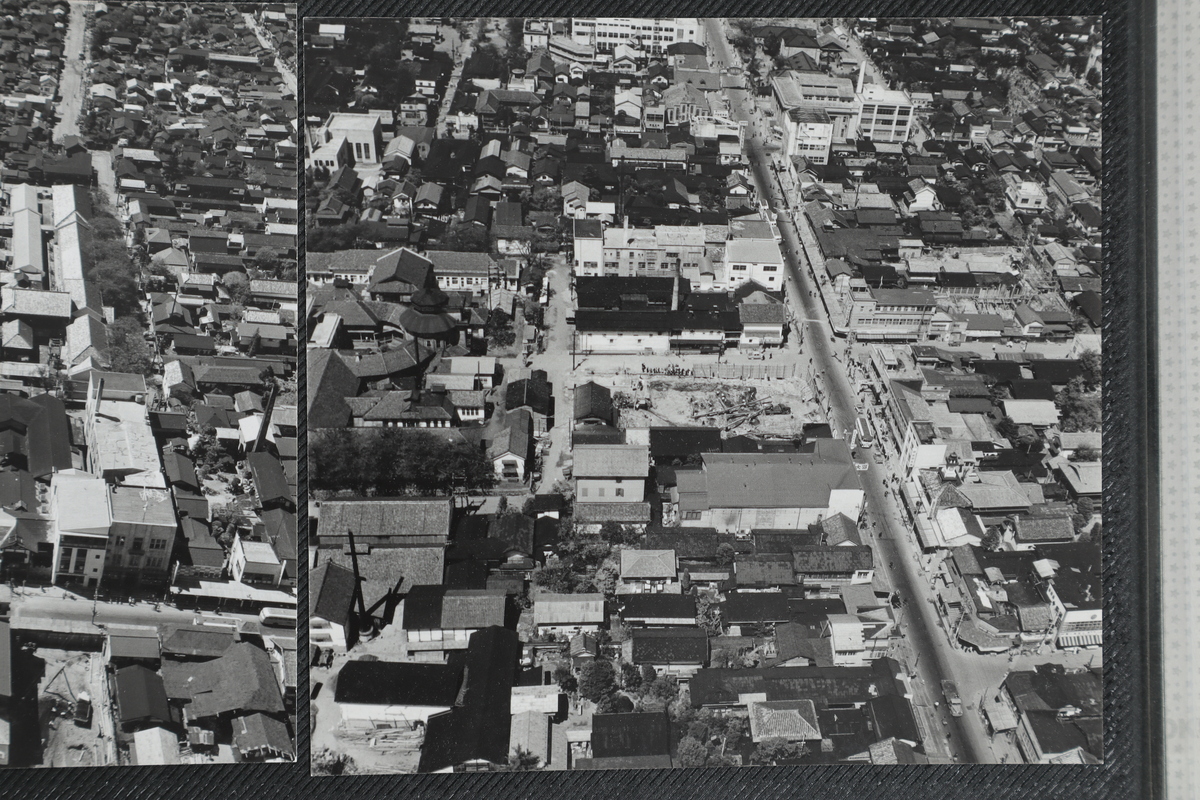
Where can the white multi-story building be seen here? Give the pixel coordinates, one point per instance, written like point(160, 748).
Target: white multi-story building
point(808, 132)
point(885, 115)
point(362, 132)
point(654, 35)
point(758, 260)
point(816, 90)
point(1024, 195)
point(665, 250)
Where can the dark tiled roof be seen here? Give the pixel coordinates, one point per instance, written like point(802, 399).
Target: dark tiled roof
point(637, 734)
point(670, 646)
point(331, 592)
point(395, 683)
point(658, 606)
point(478, 727)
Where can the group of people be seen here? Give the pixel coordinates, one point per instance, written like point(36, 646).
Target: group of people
point(673, 369)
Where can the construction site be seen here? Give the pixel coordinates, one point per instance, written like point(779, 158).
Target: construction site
point(373, 749)
point(771, 408)
point(67, 714)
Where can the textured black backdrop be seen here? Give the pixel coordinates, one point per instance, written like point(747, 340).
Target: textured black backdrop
point(1130, 552)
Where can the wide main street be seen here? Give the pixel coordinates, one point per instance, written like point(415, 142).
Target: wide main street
point(967, 739)
point(31, 607)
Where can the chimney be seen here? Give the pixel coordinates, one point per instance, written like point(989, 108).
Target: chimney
point(675, 293)
point(862, 74)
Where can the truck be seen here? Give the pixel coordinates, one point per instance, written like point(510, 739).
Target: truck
point(953, 701)
point(83, 710)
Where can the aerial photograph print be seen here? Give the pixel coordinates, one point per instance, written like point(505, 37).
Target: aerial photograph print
point(701, 392)
point(148, 402)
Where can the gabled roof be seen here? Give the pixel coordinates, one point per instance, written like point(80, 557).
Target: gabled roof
point(827, 559)
point(140, 696)
point(401, 521)
point(755, 607)
point(770, 480)
point(331, 593)
point(825, 686)
point(534, 392)
point(477, 729)
point(568, 609)
point(241, 680)
point(593, 401)
point(619, 460)
point(436, 607)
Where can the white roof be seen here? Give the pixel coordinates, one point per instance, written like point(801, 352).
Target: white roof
point(155, 747)
point(124, 444)
point(27, 229)
point(568, 609)
point(68, 274)
point(81, 502)
point(34, 302)
point(352, 122)
point(260, 553)
point(679, 235)
point(540, 699)
point(873, 93)
point(1031, 412)
point(753, 251)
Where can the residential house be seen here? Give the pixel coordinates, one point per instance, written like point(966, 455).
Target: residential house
point(568, 614)
point(648, 572)
point(331, 606)
point(437, 620)
point(677, 653)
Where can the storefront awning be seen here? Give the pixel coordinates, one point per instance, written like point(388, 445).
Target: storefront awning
point(999, 715)
point(971, 633)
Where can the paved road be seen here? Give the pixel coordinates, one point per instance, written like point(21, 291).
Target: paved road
point(557, 362)
point(968, 741)
point(461, 50)
point(74, 74)
point(106, 177)
point(56, 604)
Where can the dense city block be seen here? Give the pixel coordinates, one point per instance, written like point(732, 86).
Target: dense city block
point(148, 304)
point(703, 392)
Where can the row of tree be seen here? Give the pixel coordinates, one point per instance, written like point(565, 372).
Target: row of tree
point(395, 461)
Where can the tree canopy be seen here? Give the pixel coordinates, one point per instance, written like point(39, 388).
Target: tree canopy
point(1079, 408)
point(395, 461)
point(597, 680)
point(128, 350)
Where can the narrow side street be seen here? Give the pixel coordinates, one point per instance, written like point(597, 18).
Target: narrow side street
point(74, 75)
point(289, 77)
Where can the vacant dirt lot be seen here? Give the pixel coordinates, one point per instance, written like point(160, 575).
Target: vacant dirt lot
point(66, 744)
